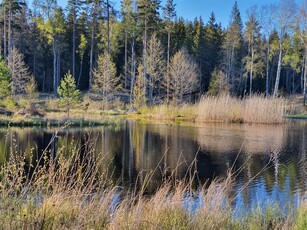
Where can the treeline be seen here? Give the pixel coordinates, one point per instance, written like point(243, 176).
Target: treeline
point(145, 52)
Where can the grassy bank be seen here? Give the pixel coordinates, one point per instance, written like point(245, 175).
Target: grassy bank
point(223, 109)
point(76, 192)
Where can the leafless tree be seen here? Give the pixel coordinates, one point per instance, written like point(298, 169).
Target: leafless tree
point(20, 75)
point(155, 65)
point(184, 75)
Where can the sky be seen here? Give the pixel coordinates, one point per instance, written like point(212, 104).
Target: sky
point(189, 9)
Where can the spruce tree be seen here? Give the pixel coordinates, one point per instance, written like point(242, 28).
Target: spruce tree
point(69, 95)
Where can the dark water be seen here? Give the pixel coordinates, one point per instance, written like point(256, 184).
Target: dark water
point(135, 148)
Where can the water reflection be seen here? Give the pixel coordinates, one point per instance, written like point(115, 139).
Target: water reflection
point(132, 149)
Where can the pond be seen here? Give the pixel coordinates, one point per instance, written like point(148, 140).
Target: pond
point(270, 160)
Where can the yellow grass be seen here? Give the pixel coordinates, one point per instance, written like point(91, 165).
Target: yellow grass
point(255, 109)
point(224, 109)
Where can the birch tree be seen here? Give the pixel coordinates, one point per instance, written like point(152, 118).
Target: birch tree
point(184, 76)
point(284, 13)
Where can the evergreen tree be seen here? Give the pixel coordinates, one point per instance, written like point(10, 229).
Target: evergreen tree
point(253, 62)
point(148, 15)
point(213, 36)
point(53, 28)
point(69, 95)
point(232, 49)
point(169, 13)
point(5, 86)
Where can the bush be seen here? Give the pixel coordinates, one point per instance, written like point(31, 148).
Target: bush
point(9, 103)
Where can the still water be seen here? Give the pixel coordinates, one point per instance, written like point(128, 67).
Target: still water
point(271, 159)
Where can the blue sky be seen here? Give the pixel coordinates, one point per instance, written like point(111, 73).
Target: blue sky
point(194, 8)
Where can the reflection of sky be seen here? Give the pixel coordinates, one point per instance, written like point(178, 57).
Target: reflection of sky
point(260, 197)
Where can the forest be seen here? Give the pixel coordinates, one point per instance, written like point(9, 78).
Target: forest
point(144, 53)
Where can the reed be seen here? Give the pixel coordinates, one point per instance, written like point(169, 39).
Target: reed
point(75, 191)
point(255, 109)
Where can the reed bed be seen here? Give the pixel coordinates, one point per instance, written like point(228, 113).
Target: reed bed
point(222, 109)
point(255, 109)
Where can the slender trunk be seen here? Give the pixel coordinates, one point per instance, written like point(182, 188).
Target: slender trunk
point(132, 70)
point(4, 34)
point(251, 73)
point(58, 67)
point(108, 28)
point(10, 31)
point(168, 66)
point(91, 57)
point(80, 72)
point(144, 57)
point(305, 76)
point(126, 60)
point(44, 80)
point(1, 42)
point(278, 70)
point(34, 50)
point(293, 84)
point(302, 79)
point(267, 71)
point(54, 68)
point(74, 45)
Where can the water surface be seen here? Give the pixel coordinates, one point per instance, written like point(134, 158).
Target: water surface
point(271, 159)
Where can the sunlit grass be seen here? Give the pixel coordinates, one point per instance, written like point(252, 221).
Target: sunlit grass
point(222, 109)
point(75, 190)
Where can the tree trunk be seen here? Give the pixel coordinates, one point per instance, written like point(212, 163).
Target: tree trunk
point(133, 68)
point(108, 28)
point(305, 76)
point(74, 45)
point(267, 71)
point(278, 71)
point(55, 86)
point(10, 31)
point(80, 73)
point(91, 58)
point(168, 66)
point(4, 35)
point(126, 60)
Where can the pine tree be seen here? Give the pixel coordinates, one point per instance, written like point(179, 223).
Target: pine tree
point(69, 95)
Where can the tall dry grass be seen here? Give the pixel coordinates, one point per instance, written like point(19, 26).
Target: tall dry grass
point(77, 192)
point(255, 109)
